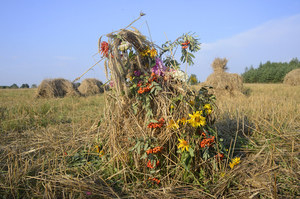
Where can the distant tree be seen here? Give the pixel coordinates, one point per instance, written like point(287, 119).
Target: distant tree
point(24, 86)
point(14, 86)
point(193, 79)
point(33, 86)
point(269, 72)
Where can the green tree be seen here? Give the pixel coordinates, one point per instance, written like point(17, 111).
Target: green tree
point(193, 79)
point(24, 86)
point(14, 86)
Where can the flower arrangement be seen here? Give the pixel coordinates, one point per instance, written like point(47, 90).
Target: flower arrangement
point(148, 84)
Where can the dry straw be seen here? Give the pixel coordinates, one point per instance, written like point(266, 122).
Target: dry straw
point(56, 88)
point(91, 86)
point(292, 78)
point(222, 81)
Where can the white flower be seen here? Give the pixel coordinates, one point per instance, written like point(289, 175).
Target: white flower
point(124, 46)
point(179, 75)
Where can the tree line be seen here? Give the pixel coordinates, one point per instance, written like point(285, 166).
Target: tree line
point(270, 72)
point(14, 86)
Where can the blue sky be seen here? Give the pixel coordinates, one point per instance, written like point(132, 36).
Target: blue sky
point(58, 38)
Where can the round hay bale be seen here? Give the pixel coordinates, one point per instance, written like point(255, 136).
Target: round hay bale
point(91, 86)
point(292, 78)
point(56, 88)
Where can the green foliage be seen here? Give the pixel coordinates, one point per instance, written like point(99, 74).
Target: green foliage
point(270, 72)
point(24, 86)
point(193, 79)
point(14, 86)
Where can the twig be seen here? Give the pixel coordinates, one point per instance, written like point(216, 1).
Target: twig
point(78, 78)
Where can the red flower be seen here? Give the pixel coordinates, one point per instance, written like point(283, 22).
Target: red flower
point(104, 48)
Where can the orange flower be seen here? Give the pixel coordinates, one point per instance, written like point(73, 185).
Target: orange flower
point(155, 180)
point(149, 151)
point(149, 165)
point(185, 44)
point(207, 142)
point(157, 149)
point(219, 156)
point(159, 124)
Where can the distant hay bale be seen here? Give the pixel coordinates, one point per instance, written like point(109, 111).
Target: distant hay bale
point(56, 88)
point(224, 82)
point(292, 78)
point(91, 86)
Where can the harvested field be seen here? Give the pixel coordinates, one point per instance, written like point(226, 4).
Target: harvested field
point(40, 140)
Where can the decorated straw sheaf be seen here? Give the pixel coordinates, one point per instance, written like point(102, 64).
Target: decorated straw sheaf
point(153, 120)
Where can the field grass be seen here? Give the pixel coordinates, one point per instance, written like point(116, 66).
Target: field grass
point(42, 142)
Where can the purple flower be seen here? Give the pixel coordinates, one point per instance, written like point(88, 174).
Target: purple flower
point(159, 68)
point(137, 73)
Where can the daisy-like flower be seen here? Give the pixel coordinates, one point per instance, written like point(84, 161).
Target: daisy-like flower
point(207, 108)
point(183, 145)
point(197, 119)
point(173, 125)
point(234, 161)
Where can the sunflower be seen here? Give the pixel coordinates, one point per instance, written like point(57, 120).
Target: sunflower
point(197, 119)
point(183, 144)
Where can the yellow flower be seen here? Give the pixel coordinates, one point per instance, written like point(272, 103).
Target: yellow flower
point(207, 108)
point(173, 125)
point(172, 106)
point(234, 162)
point(145, 52)
point(182, 120)
point(197, 119)
point(152, 53)
point(183, 144)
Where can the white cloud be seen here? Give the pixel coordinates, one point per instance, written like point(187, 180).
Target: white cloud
point(276, 40)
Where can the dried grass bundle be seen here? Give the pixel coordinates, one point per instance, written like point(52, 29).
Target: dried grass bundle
point(91, 86)
point(219, 65)
point(223, 82)
point(56, 88)
point(292, 78)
